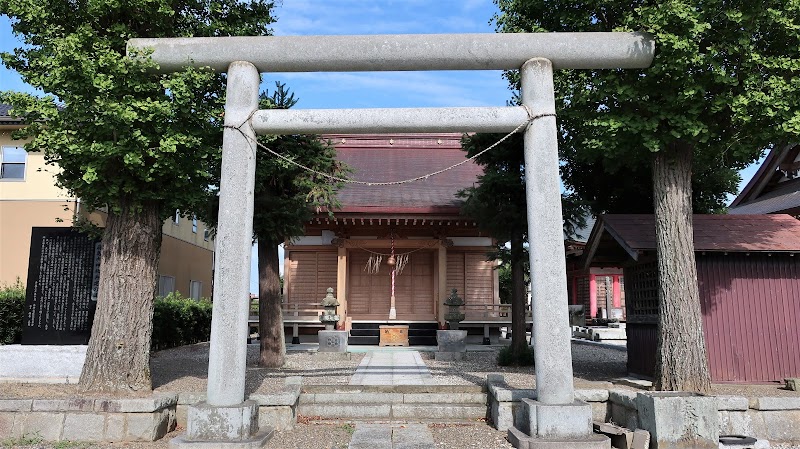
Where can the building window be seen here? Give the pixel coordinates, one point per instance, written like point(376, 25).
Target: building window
point(195, 289)
point(12, 163)
point(177, 217)
point(206, 234)
point(166, 285)
point(194, 225)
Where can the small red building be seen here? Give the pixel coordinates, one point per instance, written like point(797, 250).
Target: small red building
point(748, 269)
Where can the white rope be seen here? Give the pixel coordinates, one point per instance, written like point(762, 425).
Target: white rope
point(531, 118)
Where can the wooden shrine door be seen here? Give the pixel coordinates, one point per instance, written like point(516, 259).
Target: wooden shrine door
point(368, 295)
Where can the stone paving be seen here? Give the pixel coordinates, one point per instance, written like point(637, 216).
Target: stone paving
point(391, 436)
point(392, 368)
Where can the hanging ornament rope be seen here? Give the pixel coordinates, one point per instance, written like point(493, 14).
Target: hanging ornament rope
point(392, 262)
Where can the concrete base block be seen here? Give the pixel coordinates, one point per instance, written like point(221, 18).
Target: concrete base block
point(443, 356)
point(332, 341)
point(793, 383)
point(279, 417)
point(256, 442)
point(42, 363)
point(206, 422)
point(558, 420)
point(520, 440)
point(332, 356)
point(679, 420)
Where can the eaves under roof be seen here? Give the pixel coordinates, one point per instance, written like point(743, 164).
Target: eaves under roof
point(764, 193)
point(5, 118)
point(635, 233)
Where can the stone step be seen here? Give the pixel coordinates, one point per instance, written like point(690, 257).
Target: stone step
point(377, 398)
point(422, 412)
point(356, 340)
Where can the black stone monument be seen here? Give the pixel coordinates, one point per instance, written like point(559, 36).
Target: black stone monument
point(63, 275)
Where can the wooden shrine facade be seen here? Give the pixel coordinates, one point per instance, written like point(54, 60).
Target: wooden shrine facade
point(422, 219)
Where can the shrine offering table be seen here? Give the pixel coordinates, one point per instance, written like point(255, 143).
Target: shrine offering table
point(394, 335)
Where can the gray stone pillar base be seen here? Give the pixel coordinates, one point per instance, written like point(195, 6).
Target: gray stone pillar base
point(677, 419)
point(518, 439)
point(557, 420)
point(556, 426)
point(332, 341)
point(258, 441)
point(234, 426)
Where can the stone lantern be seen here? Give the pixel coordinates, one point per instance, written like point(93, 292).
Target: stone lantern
point(331, 340)
point(329, 317)
point(453, 315)
point(452, 344)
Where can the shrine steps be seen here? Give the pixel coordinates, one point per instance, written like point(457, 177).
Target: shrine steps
point(393, 403)
point(419, 333)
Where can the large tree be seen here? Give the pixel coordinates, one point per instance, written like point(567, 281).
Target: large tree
point(497, 203)
point(125, 139)
point(723, 86)
point(286, 196)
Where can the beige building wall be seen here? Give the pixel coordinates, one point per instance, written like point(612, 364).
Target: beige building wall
point(186, 262)
point(186, 254)
point(16, 220)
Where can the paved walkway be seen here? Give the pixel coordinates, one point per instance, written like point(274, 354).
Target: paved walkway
point(392, 368)
point(391, 436)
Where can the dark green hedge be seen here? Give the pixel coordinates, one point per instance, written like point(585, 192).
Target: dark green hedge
point(12, 309)
point(177, 321)
point(180, 321)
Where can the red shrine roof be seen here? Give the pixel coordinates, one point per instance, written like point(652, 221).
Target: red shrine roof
point(722, 233)
point(385, 157)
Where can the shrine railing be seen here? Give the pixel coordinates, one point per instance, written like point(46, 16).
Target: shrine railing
point(491, 312)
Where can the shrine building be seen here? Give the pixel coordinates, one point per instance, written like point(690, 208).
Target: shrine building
point(409, 239)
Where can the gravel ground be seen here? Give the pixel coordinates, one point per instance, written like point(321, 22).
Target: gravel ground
point(593, 367)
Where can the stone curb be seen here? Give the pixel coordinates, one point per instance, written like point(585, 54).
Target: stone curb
point(15, 405)
point(736, 403)
point(137, 405)
point(625, 398)
point(287, 395)
point(777, 403)
point(129, 405)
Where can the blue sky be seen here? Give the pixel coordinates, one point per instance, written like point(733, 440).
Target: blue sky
point(365, 90)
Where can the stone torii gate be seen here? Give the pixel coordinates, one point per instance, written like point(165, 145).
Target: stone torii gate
point(227, 418)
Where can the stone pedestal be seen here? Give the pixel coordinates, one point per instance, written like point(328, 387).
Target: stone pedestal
point(452, 345)
point(332, 341)
point(555, 426)
point(42, 363)
point(677, 419)
point(235, 426)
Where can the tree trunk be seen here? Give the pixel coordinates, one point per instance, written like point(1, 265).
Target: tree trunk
point(519, 338)
point(681, 363)
point(270, 318)
point(118, 356)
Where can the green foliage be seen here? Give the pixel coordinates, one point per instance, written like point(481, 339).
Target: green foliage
point(506, 357)
point(28, 439)
point(506, 289)
point(116, 129)
point(179, 321)
point(724, 82)
point(12, 311)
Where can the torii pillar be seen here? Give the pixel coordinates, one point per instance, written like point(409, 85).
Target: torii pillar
point(556, 419)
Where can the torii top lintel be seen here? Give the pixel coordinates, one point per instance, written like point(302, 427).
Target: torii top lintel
point(403, 52)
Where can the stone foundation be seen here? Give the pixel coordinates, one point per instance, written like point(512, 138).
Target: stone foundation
point(89, 419)
point(770, 418)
